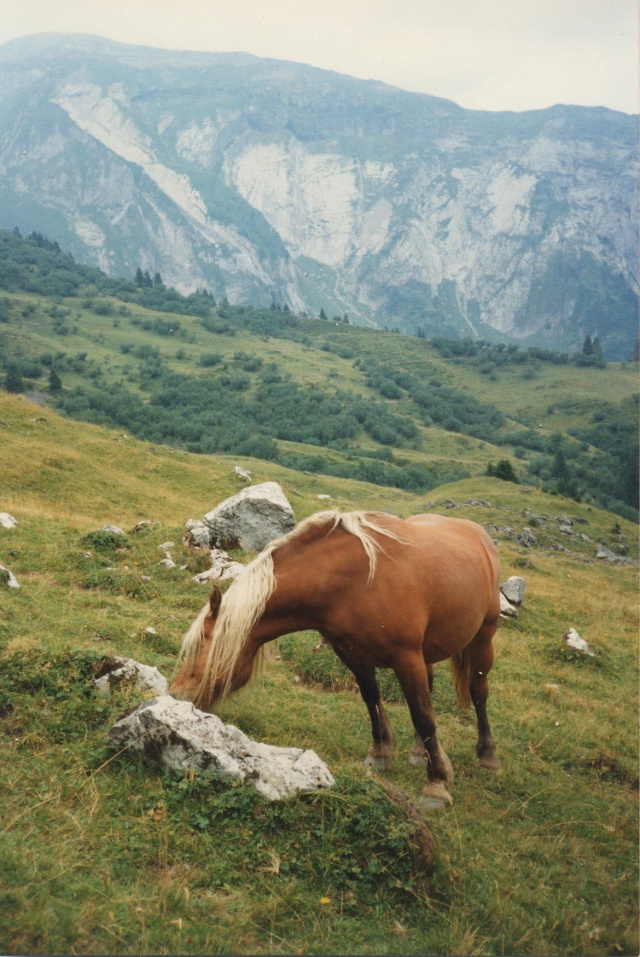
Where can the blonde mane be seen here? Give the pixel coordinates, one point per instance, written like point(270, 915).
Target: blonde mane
point(245, 601)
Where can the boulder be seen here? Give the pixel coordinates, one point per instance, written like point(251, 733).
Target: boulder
point(7, 577)
point(251, 519)
point(513, 590)
point(183, 738)
point(112, 530)
point(7, 521)
point(115, 670)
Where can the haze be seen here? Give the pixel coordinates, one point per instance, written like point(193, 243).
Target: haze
point(483, 54)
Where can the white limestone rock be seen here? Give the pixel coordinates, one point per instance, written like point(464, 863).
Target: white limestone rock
point(223, 568)
point(182, 737)
point(513, 590)
point(113, 671)
point(507, 610)
point(252, 518)
point(112, 529)
point(574, 641)
point(7, 577)
point(7, 521)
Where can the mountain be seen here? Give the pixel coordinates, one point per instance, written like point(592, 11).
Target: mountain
point(273, 181)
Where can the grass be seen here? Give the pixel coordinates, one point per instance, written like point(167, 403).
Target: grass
point(101, 853)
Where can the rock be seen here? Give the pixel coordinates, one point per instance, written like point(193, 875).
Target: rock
point(150, 631)
point(223, 568)
point(507, 610)
point(7, 577)
point(252, 518)
point(526, 538)
point(199, 534)
point(475, 502)
point(243, 473)
point(166, 545)
point(140, 526)
point(168, 561)
point(564, 519)
point(112, 529)
point(574, 641)
point(182, 737)
point(113, 671)
point(603, 553)
point(513, 590)
point(7, 521)
point(324, 498)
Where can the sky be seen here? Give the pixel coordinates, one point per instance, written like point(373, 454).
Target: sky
point(482, 54)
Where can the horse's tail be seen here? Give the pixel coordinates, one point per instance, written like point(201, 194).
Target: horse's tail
point(461, 669)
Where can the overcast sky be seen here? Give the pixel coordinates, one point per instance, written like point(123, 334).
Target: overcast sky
point(483, 54)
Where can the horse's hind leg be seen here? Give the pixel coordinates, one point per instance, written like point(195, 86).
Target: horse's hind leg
point(414, 681)
point(417, 754)
point(480, 653)
point(381, 751)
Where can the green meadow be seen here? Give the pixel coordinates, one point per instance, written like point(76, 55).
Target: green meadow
point(103, 853)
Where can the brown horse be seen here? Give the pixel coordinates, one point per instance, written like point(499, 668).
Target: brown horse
point(384, 593)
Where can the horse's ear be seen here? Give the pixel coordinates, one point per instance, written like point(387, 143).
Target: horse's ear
point(214, 600)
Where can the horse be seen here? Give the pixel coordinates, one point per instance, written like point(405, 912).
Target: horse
point(383, 592)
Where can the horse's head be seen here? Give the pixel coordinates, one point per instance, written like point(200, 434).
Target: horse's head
point(188, 683)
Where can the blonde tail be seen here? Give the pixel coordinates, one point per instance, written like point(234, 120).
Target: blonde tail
point(461, 669)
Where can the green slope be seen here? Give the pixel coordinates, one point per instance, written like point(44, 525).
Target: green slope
point(316, 395)
point(101, 853)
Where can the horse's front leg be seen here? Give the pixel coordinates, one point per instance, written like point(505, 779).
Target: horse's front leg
point(414, 681)
point(381, 751)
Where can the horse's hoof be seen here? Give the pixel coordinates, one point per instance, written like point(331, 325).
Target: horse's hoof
point(490, 762)
point(419, 758)
point(434, 797)
point(379, 763)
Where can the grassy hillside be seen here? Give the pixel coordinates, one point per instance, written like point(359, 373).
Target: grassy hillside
point(319, 396)
point(100, 853)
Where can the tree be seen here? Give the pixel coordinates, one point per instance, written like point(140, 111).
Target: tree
point(323, 314)
point(587, 346)
point(597, 348)
point(55, 383)
point(504, 470)
point(13, 381)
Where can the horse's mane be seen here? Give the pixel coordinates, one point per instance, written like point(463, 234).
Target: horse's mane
point(245, 601)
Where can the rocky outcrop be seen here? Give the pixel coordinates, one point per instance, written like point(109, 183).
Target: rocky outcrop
point(183, 738)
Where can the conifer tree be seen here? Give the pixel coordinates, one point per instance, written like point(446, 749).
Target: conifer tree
point(55, 383)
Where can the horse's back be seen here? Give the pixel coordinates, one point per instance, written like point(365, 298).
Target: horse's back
point(451, 571)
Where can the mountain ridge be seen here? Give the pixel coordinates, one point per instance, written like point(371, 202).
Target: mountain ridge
point(286, 183)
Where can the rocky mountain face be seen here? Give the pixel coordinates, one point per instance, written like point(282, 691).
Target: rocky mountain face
point(270, 181)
